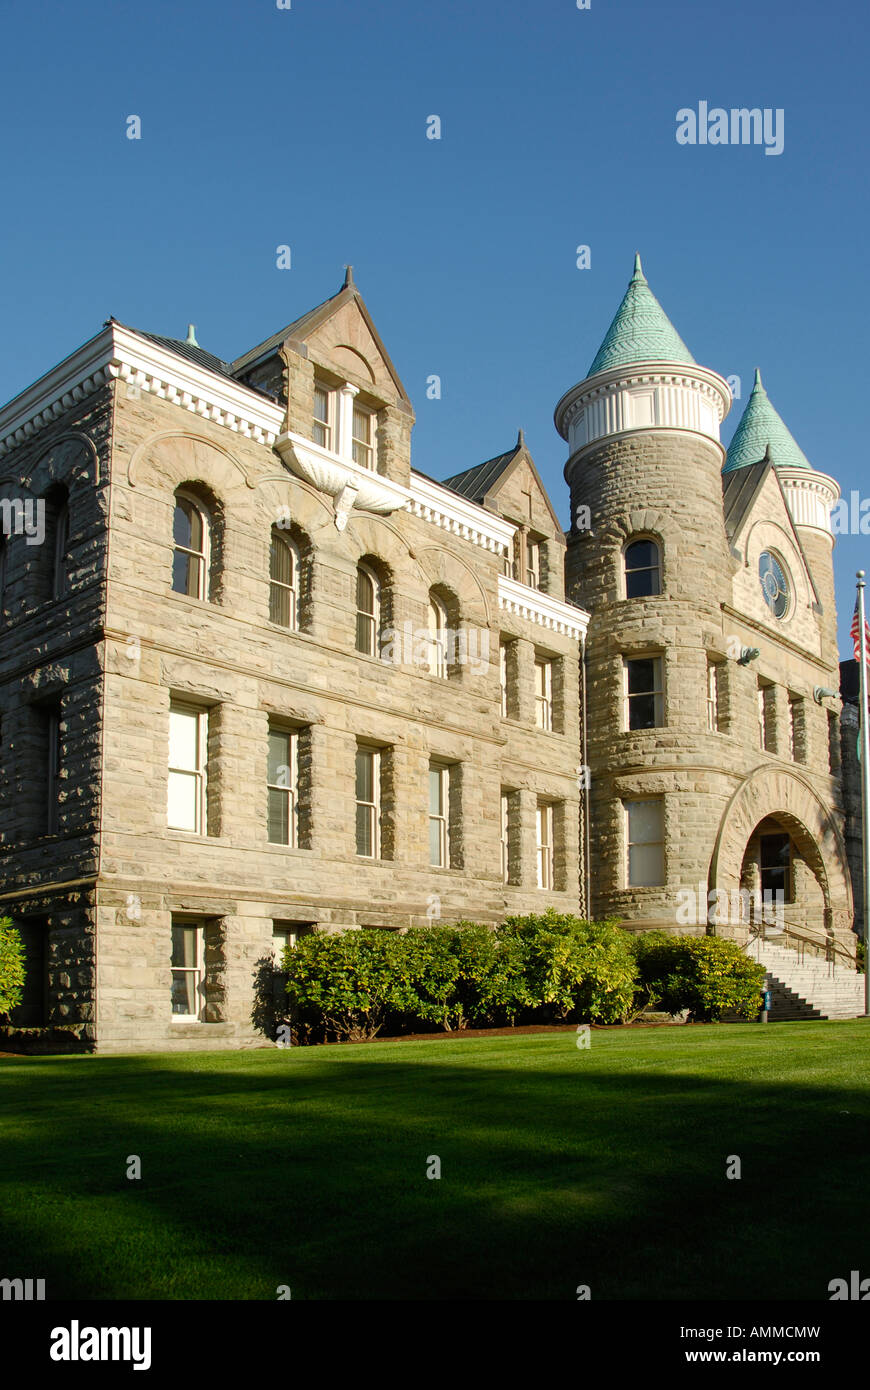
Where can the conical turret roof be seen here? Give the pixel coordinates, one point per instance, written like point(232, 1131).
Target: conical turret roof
point(640, 332)
point(762, 429)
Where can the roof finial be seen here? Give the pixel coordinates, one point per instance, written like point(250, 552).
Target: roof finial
point(521, 439)
point(757, 384)
point(191, 335)
point(638, 268)
point(348, 278)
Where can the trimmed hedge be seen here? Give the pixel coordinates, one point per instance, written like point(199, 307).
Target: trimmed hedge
point(705, 974)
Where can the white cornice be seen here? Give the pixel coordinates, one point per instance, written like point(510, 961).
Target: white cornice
point(118, 352)
point(445, 508)
point(541, 608)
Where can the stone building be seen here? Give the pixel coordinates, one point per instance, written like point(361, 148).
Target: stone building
point(261, 677)
point(712, 670)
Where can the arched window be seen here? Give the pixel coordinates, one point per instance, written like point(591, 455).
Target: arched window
point(190, 559)
point(437, 637)
point(60, 566)
point(643, 569)
point(283, 581)
point(368, 610)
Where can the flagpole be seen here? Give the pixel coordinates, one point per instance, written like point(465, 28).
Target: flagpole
point(865, 788)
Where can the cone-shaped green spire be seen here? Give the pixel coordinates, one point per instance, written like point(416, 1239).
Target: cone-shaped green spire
point(641, 330)
point(762, 428)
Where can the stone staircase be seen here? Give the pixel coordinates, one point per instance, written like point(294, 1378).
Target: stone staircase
point(807, 987)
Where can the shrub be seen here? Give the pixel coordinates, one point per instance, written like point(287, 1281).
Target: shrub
point(11, 967)
point(447, 969)
point(575, 967)
point(705, 974)
point(351, 980)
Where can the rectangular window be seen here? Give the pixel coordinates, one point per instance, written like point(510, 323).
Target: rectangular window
point(368, 803)
point(775, 855)
point(322, 430)
point(833, 742)
point(765, 716)
point(544, 694)
point(503, 678)
point(643, 692)
point(363, 446)
point(533, 564)
point(188, 970)
point(54, 755)
point(439, 813)
point(188, 751)
point(713, 696)
point(645, 839)
point(282, 781)
point(544, 824)
point(505, 836)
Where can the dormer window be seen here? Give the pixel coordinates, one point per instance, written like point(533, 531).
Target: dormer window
point(323, 430)
point(533, 564)
point(363, 446)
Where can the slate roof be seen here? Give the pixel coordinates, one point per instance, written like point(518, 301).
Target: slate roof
point(762, 427)
point(640, 332)
point(739, 491)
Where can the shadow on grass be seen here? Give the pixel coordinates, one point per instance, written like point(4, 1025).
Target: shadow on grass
point(308, 1169)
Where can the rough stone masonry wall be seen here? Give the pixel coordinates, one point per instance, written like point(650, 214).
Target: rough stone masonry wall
point(227, 657)
point(51, 661)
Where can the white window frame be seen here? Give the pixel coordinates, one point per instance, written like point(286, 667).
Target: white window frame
point(373, 807)
point(289, 788)
point(629, 843)
point(655, 569)
point(198, 773)
point(658, 690)
point(440, 818)
point(533, 564)
point(277, 537)
point(544, 836)
point(365, 447)
point(505, 836)
point(436, 618)
point(202, 557)
point(373, 619)
point(197, 970)
point(544, 694)
point(327, 426)
point(503, 677)
point(713, 697)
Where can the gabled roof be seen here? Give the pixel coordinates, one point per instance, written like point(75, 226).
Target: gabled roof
point(303, 327)
point(640, 332)
point(761, 427)
point(486, 478)
point(474, 483)
point(740, 490)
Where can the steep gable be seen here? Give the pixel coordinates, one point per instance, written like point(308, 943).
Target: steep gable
point(510, 485)
point(757, 519)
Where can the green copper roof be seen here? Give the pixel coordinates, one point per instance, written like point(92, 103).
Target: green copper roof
point(761, 427)
point(640, 332)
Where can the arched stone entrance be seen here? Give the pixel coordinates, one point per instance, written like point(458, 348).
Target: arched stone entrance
point(771, 803)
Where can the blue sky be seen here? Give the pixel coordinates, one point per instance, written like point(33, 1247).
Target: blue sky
point(307, 127)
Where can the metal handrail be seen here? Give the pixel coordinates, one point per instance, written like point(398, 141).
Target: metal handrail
point(760, 931)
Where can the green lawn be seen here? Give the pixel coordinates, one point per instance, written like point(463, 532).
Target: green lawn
point(307, 1167)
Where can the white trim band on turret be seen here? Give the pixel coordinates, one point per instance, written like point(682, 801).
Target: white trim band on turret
point(810, 497)
point(650, 395)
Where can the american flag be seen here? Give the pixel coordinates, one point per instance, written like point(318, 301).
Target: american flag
point(855, 634)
